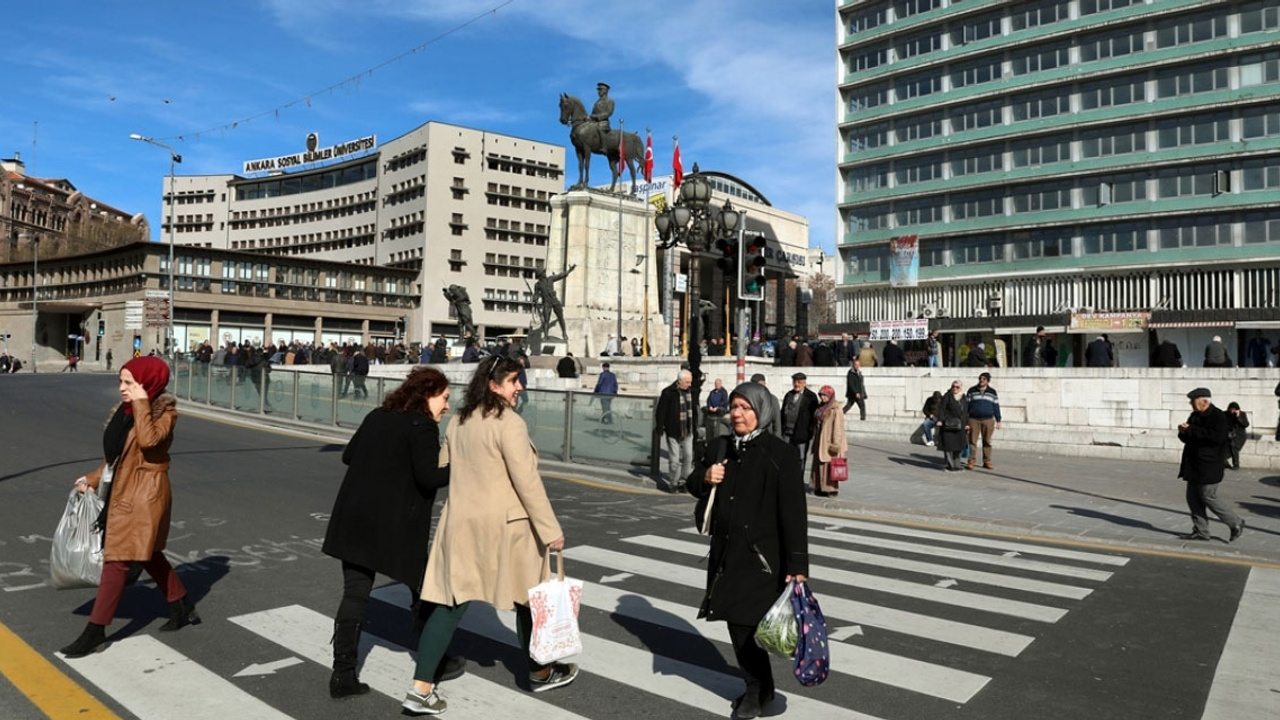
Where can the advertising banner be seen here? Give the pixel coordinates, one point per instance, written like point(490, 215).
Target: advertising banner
point(904, 262)
point(900, 329)
point(1108, 322)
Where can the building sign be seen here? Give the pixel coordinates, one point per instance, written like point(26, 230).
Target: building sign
point(155, 308)
point(904, 262)
point(313, 154)
point(1109, 322)
point(900, 329)
point(133, 314)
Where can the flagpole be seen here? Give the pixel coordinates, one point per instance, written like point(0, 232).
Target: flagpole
point(622, 161)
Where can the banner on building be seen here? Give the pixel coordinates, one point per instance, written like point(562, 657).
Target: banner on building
point(904, 261)
point(900, 329)
point(1108, 322)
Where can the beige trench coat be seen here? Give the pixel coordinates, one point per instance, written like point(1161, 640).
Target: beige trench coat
point(830, 442)
point(140, 503)
point(497, 521)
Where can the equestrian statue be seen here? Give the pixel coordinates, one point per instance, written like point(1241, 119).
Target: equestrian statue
point(592, 134)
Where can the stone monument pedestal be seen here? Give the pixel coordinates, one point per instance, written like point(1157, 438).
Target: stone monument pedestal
point(587, 229)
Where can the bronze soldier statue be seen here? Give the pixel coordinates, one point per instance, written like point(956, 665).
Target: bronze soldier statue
point(461, 303)
point(602, 110)
point(546, 302)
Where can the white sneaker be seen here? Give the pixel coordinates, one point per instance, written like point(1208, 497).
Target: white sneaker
point(415, 703)
point(929, 443)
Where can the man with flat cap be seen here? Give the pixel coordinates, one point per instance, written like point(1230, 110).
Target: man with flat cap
point(798, 406)
point(1205, 446)
point(603, 109)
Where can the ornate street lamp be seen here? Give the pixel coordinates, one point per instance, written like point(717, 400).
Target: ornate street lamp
point(694, 222)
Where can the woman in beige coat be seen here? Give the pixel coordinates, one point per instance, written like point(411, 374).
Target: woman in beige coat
point(494, 530)
point(829, 442)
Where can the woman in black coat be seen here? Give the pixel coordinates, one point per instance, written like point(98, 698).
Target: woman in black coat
point(953, 426)
point(381, 521)
point(758, 528)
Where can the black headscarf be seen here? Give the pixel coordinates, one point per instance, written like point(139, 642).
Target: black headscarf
point(117, 432)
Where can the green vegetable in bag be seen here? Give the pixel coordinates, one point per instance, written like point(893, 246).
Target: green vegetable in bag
point(779, 631)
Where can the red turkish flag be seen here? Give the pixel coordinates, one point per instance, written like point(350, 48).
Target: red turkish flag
point(676, 167)
point(622, 151)
point(648, 157)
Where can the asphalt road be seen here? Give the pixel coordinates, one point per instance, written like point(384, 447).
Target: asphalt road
point(931, 624)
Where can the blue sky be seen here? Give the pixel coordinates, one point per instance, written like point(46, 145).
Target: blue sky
point(747, 85)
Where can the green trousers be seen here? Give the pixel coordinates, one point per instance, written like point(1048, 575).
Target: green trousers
point(442, 623)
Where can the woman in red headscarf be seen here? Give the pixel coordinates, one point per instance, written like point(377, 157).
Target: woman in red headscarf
point(829, 442)
point(134, 483)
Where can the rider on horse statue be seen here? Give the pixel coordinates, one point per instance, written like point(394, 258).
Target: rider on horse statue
point(603, 109)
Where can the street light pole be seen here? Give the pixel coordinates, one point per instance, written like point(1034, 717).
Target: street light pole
point(174, 158)
point(35, 300)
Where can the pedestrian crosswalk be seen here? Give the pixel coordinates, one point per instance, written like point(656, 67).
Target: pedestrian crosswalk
point(915, 616)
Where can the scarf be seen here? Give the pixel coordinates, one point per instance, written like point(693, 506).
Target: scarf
point(686, 414)
point(151, 373)
point(113, 438)
point(762, 403)
point(821, 412)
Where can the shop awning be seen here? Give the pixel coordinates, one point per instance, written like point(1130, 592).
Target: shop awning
point(1258, 324)
point(1197, 324)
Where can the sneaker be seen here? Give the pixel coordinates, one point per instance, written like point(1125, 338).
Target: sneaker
point(415, 703)
point(561, 674)
point(1237, 531)
point(928, 443)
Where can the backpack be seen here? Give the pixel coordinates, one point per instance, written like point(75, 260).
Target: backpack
point(813, 654)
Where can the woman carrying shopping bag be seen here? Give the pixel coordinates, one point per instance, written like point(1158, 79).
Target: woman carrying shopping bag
point(381, 521)
point(759, 532)
point(494, 532)
point(830, 444)
point(135, 448)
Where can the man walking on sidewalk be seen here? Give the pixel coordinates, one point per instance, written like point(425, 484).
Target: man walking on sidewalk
point(984, 419)
point(856, 389)
point(675, 420)
point(1204, 439)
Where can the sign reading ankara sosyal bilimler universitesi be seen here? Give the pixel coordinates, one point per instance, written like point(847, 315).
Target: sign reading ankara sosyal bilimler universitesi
point(314, 154)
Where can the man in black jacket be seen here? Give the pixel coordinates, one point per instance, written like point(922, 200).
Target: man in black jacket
point(798, 406)
point(1167, 355)
point(359, 371)
point(567, 368)
point(1204, 451)
point(676, 419)
point(1099, 353)
point(856, 391)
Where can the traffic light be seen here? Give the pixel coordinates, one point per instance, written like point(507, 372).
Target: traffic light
point(729, 249)
point(102, 328)
point(751, 263)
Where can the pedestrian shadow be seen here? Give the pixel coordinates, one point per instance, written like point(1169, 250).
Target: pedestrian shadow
point(1262, 509)
point(64, 463)
point(919, 461)
point(141, 603)
point(1115, 519)
point(1273, 480)
point(672, 640)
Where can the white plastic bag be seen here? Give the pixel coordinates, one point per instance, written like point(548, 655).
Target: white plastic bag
point(779, 631)
point(554, 604)
point(76, 558)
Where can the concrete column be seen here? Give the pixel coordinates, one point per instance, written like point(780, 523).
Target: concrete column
point(364, 332)
point(215, 335)
point(319, 327)
point(267, 320)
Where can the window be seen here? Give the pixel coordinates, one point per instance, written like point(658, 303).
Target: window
point(977, 160)
point(1261, 122)
point(1200, 231)
point(868, 177)
point(918, 85)
point(867, 261)
point(918, 44)
point(1261, 174)
point(866, 20)
point(977, 116)
point(1259, 17)
point(1129, 237)
point(870, 96)
point(932, 253)
point(918, 170)
point(1114, 140)
point(1114, 189)
point(1090, 7)
point(1045, 196)
point(1039, 59)
point(1041, 151)
point(1035, 14)
point(983, 203)
point(1186, 29)
point(872, 217)
point(1194, 130)
point(918, 212)
point(1186, 181)
point(1116, 43)
point(976, 29)
point(906, 8)
point(1260, 69)
point(982, 249)
point(867, 137)
point(1042, 246)
point(918, 127)
point(976, 73)
point(1261, 227)
point(1190, 80)
point(1037, 105)
point(1114, 91)
point(873, 58)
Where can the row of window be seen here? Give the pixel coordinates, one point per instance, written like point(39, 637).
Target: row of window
point(259, 272)
point(1174, 233)
point(1246, 71)
point(194, 197)
point(310, 182)
point(1115, 140)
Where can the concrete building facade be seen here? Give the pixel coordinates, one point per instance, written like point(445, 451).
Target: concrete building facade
point(1061, 159)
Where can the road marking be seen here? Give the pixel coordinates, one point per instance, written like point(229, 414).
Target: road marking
point(388, 668)
point(1246, 685)
point(676, 680)
point(47, 687)
point(156, 682)
point(907, 623)
point(945, 596)
point(268, 668)
point(1097, 558)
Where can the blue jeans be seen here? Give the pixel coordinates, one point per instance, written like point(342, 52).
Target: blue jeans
point(927, 426)
point(935, 361)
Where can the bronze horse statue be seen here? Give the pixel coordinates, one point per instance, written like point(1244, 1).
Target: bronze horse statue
point(587, 140)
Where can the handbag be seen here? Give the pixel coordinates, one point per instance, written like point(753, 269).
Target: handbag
point(838, 471)
point(75, 561)
point(554, 605)
point(952, 423)
point(813, 652)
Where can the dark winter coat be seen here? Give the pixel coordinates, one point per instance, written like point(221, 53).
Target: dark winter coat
point(785, 355)
point(952, 440)
point(567, 368)
point(1238, 429)
point(977, 358)
point(823, 356)
point(359, 365)
point(803, 429)
point(1204, 448)
point(893, 356)
point(667, 413)
point(759, 527)
point(1098, 354)
point(382, 516)
point(855, 384)
point(804, 355)
point(1167, 355)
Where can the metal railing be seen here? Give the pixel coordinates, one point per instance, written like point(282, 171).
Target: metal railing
point(564, 425)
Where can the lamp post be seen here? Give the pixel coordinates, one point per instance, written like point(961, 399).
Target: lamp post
point(174, 158)
point(35, 299)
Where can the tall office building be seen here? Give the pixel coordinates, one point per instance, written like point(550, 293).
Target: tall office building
point(1060, 158)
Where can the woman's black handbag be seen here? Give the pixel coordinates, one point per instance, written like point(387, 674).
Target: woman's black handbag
point(951, 423)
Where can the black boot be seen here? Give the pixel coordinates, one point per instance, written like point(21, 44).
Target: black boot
point(182, 612)
point(346, 651)
point(93, 639)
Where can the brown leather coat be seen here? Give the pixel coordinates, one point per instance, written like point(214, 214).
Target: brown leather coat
point(140, 503)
